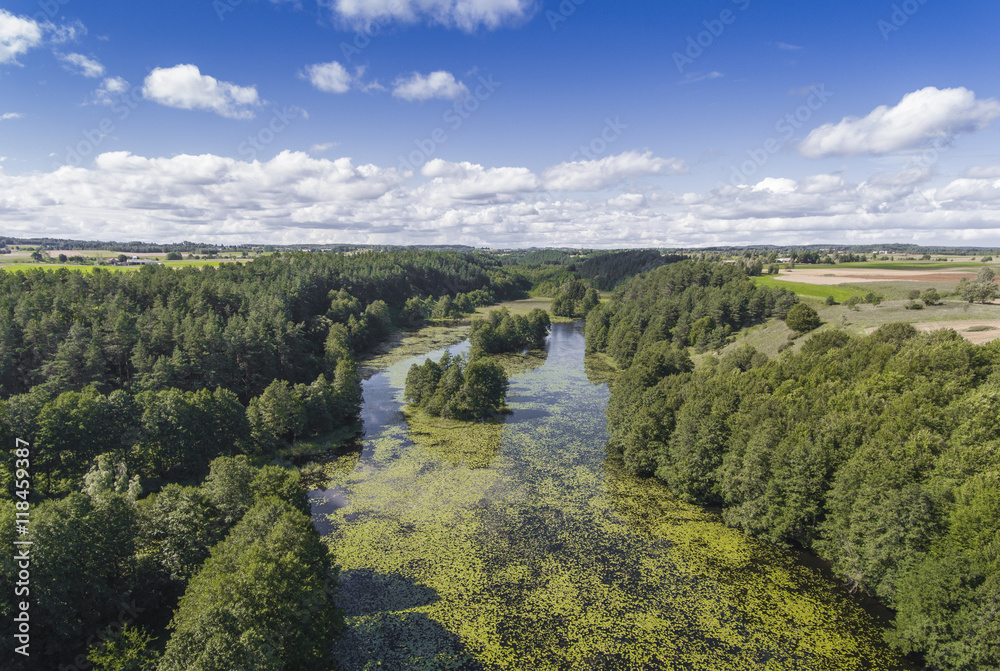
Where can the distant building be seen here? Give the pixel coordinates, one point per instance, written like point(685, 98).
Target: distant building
point(136, 261)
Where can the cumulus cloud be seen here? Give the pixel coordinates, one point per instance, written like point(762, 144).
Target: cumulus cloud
point(441, 85)
point(628, 201)
point(82, 65)
point(184, 87)
point(298, 198)
point(470, 182)
point(602, 173)
point(11, 116)
point(468, 15)
point(970, 192)
point(922, 116)
point(329, 77)
point(109, 90)
point(18, 34)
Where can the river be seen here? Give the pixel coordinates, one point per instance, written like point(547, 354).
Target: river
point(528, 547)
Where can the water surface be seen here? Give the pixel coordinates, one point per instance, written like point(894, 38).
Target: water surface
point(547, 555)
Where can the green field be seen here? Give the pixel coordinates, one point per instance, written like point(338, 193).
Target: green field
point(840, 292)
point(887, 289)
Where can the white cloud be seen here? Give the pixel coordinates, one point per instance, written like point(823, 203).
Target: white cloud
point(62, 33)
point(970, 192)
point(451, 182)
point(82, 65)
point(109, 90)
point(983, 172)
point(322, 148)
point(184, 87)
point(628, 201)
point(821, 184)
point(297, 198)
point(602, 173)
point(468, 15)
point(695, 77)
point(18, 34)
point(441, 85)
point(921, 116)
point(10, 116)
point(778, 185)
point(330, 77)
point(785, 46)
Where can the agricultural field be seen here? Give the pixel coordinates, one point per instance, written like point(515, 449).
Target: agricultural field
point(977, 323)
point(948, 274)
point(22, 260)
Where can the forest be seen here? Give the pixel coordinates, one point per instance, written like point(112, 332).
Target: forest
point(150, 406)
point(153, 406)
point(875, 452)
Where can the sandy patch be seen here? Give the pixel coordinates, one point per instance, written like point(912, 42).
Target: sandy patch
point(835, 276)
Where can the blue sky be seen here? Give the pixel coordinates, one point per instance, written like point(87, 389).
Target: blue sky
point(501, 122)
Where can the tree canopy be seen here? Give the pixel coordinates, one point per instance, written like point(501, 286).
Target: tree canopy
point(876, 452)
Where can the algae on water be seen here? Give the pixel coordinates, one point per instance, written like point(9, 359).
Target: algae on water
point(535, 550)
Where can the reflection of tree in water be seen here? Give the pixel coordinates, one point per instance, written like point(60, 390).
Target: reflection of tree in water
point(524, 362)
point(384, 631)
point(599, 369)
point(317, 473)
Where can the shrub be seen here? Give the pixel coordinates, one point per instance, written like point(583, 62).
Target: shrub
point(802, 318)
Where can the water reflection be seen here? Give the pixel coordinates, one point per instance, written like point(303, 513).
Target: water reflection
point(599, 369)
point(552, 556)
point(387, 633)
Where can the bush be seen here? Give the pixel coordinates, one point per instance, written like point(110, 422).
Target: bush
point(830, 300)
point(802, 318)
point(873, 298)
